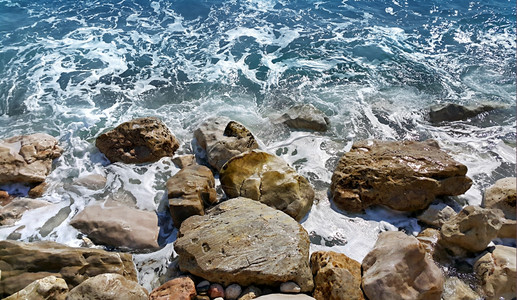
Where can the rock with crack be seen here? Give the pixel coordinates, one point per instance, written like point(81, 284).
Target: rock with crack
point(267, 178)
point(223, 139)
point(245, 242)
point(402, 175)
point(497, 272)
point(138, 141)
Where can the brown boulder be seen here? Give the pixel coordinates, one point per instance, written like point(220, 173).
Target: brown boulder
point(245, 242)
point(471, 230)
point(336, 276)
point(497, 272)
point(502, 195)
point(181, 288)
point(223, 139)
point(398, 267)
point(50, 287)
point(405, 176)
point(183, 161)
point(118, 226)
point(267, 178)
point(23, 263)
point(108, 287)
point(27, 158)
point(189, 190)
point(138, 141)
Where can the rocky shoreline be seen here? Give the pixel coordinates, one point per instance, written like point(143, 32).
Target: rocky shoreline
point(249, 244)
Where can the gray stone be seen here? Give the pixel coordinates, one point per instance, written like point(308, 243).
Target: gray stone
point(233, 291)
point(108, 287)
point(403, 175)
point(290, 287)
point(437, 214)
point(267, 178)
point(305, 116)
point(92, 181)
point(223, 139)
point(27, 158)
point(456, 112)
point(245, 242)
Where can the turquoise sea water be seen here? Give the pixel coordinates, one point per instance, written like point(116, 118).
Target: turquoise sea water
point(76, 68)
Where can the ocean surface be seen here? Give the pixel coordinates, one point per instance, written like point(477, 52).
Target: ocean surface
point(74, 69)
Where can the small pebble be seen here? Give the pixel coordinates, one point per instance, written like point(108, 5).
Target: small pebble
point(233, 291)
point(202, 297)
point(219, 298)
point(216, 290)
point(290, 287)
point(202, 287)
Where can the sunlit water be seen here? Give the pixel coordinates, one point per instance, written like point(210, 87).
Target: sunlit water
point(73, 69)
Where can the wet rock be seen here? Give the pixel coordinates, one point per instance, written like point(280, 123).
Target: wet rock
point(5, 198)
point(508, 229)
point(118, 226)
point(497, 272)
point(181, 288)
point(284, 297)
point(290, 288)
point(336, 276)
point(38, 190)
point(27, 158)
point(108, 287)
point(223, 139)
point(436, 215)
point(243, 241)
point(50, 287)
point(269, 179)
point(203, 287)
point(189, 190)
point(233, 291)
point(138, 141)
point(93, 181)
point(13, 211)
point(456, 112)
point(471, 229)
point(305, 116)
point(23, 263)
point(502, 195)
point(183, 161)
point(216, 290)
point(398, 267)
point(251, 292)
point(403, 175)
point(455, 289)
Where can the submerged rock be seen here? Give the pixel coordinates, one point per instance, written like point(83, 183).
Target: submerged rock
point(455, 289)
point(118, 226)
point(405, 176)
point(92, 182)
point(245, 242)
point(471, 229)
point(497, 272)
point(398, 267)
point(138, 141)
point(189, 190)
point(502, 195)
point(336, 276)
point(269, 179)
point(108, 287)
point(23, 263)
point(304, 116)
point(223, 139)
point(181, 288)
point(14, 210)
point(50, 287)
point(27, 158)
point(456, 112)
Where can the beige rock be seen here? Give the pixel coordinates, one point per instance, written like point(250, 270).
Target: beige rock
point(138, 141)
point(269, 179)
point(508, 229)
point(429, 238)
point(471, 229)
point(27, 158)
point(118, 226)
point(181, 288)
point(92, 181)
point(223, 139)
point(497, 272)
point(398, 267)
point(305, 116)
point(455, 289)
point(23, 263)
point(13, 211)
point(183, 161)
point(245, 242)
point(436, 215)
point(189, 190)
point(108, 287)
point(403, 175)
point(336, 276)
point(38, 190)
point(502, 195)
point(50, 287)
